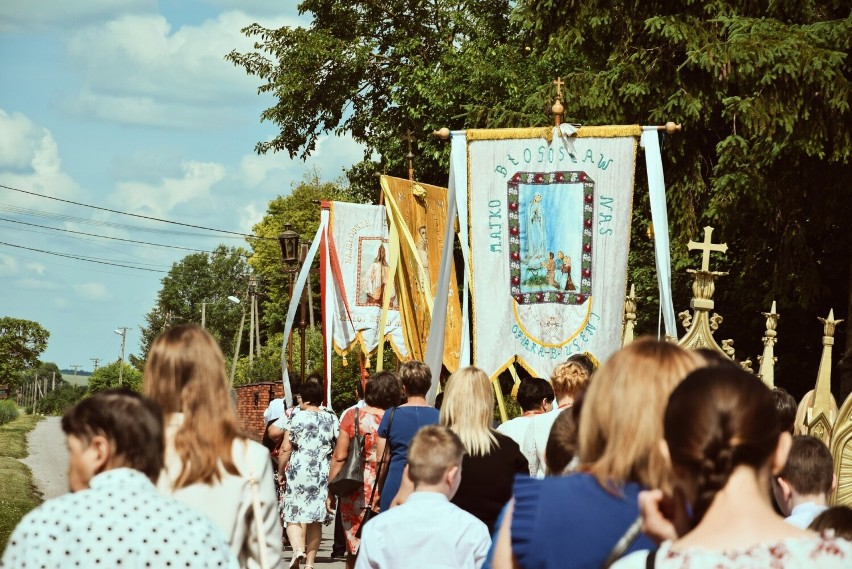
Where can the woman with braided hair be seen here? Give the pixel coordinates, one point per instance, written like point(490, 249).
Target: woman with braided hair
point(724, 439)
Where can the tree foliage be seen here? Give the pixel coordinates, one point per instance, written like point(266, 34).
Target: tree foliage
point(21, 343)
point(379, 69)
point(201, 278)
point(107, 377)
point(762, 89)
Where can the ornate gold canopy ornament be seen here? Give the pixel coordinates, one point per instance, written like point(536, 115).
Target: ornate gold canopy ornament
point(701, 325)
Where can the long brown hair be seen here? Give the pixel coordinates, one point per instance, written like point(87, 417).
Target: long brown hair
point(621, 422)
point(185, 373)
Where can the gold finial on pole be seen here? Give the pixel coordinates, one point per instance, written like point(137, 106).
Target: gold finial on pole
point(629, 316)
point(409, 136)
point(443, 133)
point(557, 107)
point(706, 247)
point(768, 359)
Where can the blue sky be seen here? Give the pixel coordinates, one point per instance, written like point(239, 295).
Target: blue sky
point(128, 105)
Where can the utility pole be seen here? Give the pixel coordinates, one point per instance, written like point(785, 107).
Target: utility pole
point(97, 361)
point(122, 330)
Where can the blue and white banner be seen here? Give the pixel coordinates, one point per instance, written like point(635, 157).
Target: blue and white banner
point(549, 231)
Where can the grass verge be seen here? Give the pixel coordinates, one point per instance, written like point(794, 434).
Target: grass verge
point(18, 494)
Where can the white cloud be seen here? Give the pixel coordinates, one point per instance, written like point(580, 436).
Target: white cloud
point(28, 15)
point(92, 291)
point(29, 160)
point(37, 284)
point(137, 69)
point(158, 199)
point(8, 265)
point(331, 155)
point(37, 268)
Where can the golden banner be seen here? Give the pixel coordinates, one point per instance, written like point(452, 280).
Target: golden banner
point(419, 212)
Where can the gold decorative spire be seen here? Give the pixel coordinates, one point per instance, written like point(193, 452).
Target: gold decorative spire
point(768, 359)
point(821, 415)
point(629, 316)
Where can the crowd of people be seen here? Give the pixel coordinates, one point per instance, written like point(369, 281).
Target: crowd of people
point(659, 457)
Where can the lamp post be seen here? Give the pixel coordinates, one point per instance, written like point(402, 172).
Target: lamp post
point(288, 240)
point(122, 331)
point(204, 304)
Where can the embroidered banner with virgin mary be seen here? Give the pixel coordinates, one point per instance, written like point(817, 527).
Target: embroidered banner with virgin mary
point(549, 215)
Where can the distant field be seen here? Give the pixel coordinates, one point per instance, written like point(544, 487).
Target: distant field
point(18, 495)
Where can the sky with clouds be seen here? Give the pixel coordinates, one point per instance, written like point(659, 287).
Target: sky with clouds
point(128, 105)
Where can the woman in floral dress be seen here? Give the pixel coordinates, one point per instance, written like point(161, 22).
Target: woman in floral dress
point(304, 461)
point(382, 392)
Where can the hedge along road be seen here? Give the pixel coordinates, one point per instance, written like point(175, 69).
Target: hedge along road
point(48, 457)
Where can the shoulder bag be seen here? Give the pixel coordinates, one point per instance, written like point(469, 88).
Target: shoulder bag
point(369, 512)
point(351, 476)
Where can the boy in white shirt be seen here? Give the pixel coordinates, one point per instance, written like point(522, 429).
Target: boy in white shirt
point(427, 530)
point(802, 488)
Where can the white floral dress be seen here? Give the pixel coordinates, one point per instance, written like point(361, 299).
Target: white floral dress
point(312, 434)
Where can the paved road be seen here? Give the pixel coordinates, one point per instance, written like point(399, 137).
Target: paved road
point(48, 460)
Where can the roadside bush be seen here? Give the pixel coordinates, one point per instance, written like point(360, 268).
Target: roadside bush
point(58, 401)
point(8, 411)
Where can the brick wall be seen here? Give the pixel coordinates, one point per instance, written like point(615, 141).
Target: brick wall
point(252, 400)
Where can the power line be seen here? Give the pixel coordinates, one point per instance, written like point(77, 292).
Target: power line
point(132, 214)
point(87, 221)
point(80, 258)
point(105, 236)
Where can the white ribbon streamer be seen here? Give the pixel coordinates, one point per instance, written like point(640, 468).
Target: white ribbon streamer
point(294, 304)
point(659, 217)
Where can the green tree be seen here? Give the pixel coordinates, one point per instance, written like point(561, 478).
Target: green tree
point(21, 343)
point(762, 89)
point(106, 377)
point(201, 278)
point(380, 69)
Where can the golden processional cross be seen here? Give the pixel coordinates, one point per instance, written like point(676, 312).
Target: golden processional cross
point(706, 247)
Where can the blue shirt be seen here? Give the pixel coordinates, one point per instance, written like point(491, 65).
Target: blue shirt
point(407, 420)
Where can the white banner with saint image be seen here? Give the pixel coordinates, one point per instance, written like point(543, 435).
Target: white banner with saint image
point(549, 235)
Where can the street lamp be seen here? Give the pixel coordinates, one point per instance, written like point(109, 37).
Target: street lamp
point(204, 304)
point(123, 333)
point(288, 240)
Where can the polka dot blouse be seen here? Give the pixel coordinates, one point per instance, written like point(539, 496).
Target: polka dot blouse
point(120, 521)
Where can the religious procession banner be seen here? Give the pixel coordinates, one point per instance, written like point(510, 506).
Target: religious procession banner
point(418, 212)
point(361, 262)
point(549, 215)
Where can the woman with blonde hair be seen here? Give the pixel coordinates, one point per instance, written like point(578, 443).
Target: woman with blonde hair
point(577, 520)
point(209, 464)
point(492, 459)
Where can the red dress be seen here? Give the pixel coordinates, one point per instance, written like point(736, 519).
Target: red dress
point(352, 506)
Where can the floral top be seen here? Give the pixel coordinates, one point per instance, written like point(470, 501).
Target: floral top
point(825, 552)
